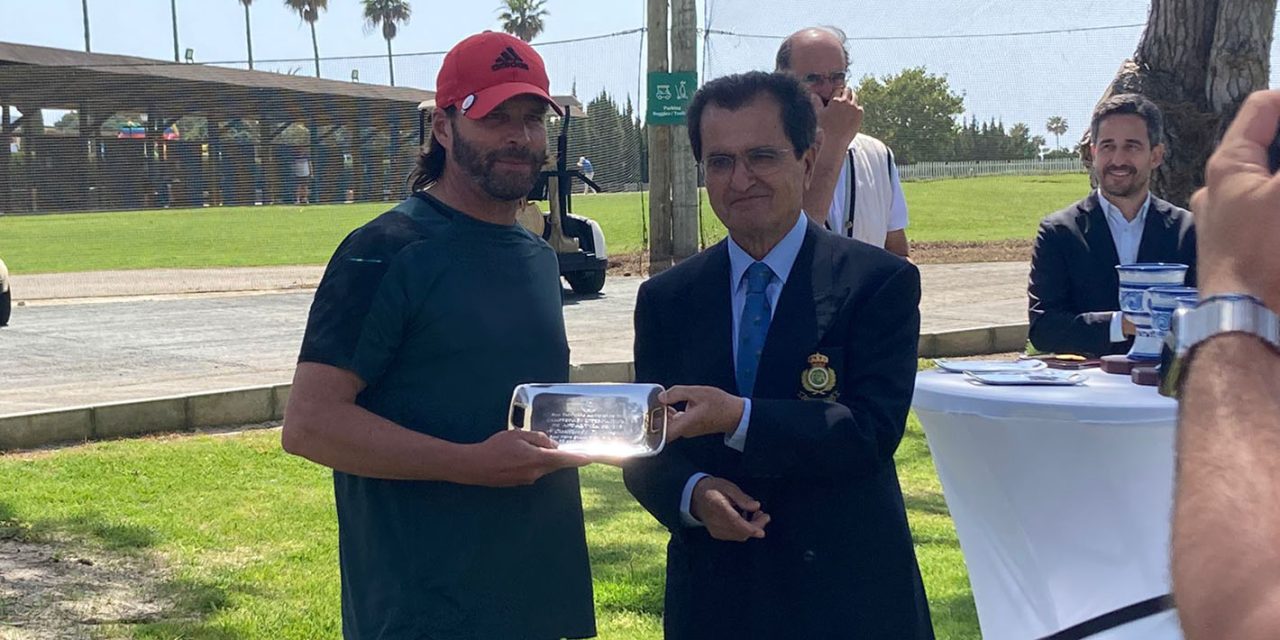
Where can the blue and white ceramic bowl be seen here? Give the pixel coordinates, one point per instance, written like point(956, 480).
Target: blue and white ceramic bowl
point(1146, 345)
point(1163, 301)
point(1136, 278)
point(1168, 297)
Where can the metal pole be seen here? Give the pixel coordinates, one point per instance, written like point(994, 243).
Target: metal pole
point(173, 10)
point(84, 8)
point(248, 35)
point(660, 205)
point(5, 130)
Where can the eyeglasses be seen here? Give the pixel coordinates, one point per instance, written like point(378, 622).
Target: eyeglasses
point(837, 78)
point(761, 161)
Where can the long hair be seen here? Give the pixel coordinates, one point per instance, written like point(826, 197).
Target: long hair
point(430, 165)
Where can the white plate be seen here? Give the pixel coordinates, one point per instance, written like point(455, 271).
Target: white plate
point(1048, 377)
point(990, 366)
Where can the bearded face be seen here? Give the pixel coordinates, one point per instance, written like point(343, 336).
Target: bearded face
point(1123, 157)
point(505, 173)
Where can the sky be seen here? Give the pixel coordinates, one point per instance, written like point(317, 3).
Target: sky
point(1024, 77)
point(215, 28)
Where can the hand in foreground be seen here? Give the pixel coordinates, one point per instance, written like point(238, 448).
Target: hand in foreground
point(722, 507)
point(1238, 211)
point(841, 118)
point(511, 458)
point(707, 410)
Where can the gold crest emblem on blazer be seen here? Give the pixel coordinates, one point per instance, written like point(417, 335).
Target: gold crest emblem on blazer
point(819, 381)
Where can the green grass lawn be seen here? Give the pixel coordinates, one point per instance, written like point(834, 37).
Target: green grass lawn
point(988, 209)
point(975, 209)
point(249, 534)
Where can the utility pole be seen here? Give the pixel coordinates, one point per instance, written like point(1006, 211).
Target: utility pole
point(84, 9)
point(684, 179)
point(173, 10)
point(660, 205)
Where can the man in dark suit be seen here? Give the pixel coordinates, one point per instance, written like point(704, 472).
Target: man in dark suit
point(1074, 289)
point(791, 353)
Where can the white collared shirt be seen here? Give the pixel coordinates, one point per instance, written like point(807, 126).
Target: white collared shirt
point(1127, 234)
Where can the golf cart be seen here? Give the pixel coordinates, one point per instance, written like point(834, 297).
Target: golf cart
point(6, 301)
point(578, 241)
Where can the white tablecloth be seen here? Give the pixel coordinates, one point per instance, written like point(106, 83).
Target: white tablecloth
point(1061, 498)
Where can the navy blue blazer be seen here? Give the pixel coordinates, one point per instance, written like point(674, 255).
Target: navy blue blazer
point(837, 560)
point(1074, 287)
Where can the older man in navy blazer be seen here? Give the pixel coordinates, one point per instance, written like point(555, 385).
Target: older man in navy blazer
point(791, 354)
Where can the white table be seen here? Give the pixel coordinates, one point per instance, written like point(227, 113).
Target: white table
point(1061, 498)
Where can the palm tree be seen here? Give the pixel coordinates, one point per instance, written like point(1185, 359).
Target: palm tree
point(84, 6)
point(1057, 125)
point(310, 12)
point(248, 34)
point(523, 18)
point(387, 14)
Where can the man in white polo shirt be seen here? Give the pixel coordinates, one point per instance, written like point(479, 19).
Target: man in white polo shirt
point(855, 189)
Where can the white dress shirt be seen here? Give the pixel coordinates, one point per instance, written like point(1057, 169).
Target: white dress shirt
point(1128, 238)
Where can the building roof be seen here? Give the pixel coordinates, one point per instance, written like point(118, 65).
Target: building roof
point(102, 84)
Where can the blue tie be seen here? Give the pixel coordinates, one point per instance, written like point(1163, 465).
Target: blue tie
point(753, 326)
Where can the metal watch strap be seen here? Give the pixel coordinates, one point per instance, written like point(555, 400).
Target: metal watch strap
point(1228, 314)
point(1214, 316)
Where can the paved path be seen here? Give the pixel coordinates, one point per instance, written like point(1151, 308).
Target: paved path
point(84, 339)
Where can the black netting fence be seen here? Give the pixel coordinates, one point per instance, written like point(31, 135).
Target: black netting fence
point(956, 89)
point(100, 132)
point(953, 82)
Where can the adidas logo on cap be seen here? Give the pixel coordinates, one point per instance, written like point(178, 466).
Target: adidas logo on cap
point(509, 60)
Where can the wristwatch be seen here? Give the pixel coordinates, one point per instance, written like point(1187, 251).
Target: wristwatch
point(1227, 313)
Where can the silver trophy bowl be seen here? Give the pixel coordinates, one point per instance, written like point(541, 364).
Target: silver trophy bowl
point(599, 420)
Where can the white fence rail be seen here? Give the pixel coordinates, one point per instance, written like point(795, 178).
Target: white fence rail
point(961, 169)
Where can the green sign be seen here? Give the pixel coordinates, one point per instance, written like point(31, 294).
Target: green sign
point(669, 95)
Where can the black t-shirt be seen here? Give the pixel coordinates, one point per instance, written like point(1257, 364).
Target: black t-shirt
point(442, 315)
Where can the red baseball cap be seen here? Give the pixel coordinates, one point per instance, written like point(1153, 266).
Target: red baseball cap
point(487, 69)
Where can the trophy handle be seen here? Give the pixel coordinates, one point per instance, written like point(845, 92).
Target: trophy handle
point(517, 418)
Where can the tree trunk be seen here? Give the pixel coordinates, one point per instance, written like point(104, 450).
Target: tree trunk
point(315, 47)
point(1197, 60)
point(248, 36)
point(660, 159)
point(391, 66)
point(1240, 57)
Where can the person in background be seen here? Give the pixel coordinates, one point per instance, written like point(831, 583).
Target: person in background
point(855, 189)
point(584, 165)
point(302, 176)
point(1074, 290)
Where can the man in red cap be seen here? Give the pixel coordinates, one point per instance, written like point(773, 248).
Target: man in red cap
point(449, 525)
